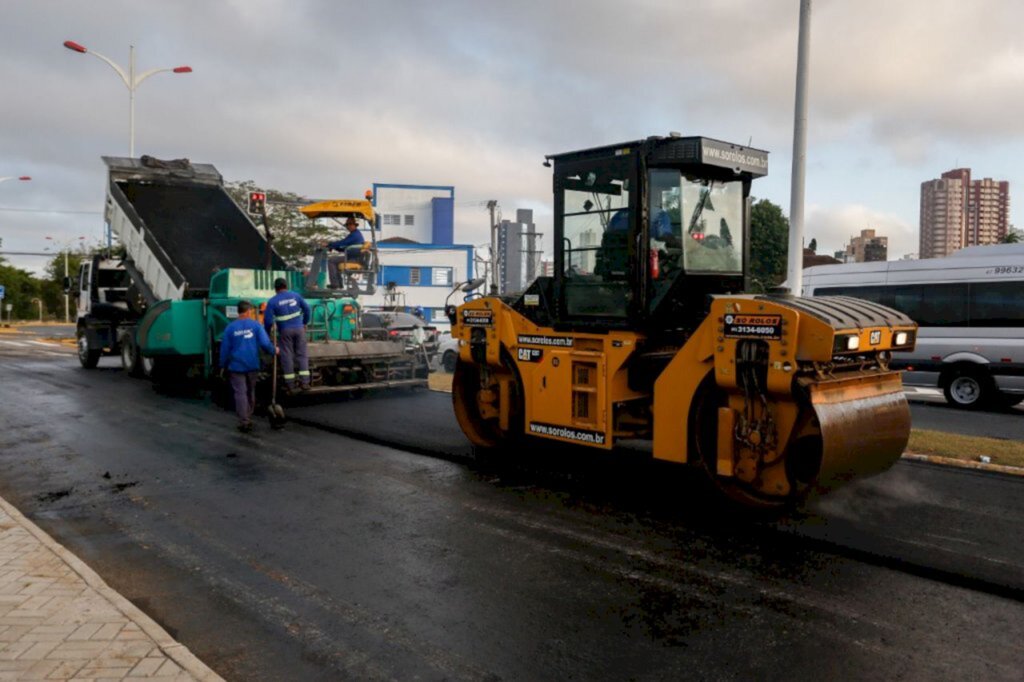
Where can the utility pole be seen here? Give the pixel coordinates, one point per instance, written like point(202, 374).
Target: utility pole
point(796, 192)
point(492, 206)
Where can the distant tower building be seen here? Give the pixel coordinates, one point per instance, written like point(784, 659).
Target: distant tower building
point(518, 252)
point(510, 257)
point(867, 248)
point(957, 212)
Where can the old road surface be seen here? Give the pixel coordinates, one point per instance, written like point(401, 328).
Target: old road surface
point(366, 542)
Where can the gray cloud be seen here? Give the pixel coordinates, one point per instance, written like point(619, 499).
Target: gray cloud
point(325, 97)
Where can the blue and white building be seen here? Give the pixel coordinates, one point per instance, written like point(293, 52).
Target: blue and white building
point(420, 261)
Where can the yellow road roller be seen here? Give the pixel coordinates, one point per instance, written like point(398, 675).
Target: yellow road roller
point(644, 332)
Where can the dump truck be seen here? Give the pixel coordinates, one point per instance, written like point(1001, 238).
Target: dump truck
point(190, 256)
point(645, 332)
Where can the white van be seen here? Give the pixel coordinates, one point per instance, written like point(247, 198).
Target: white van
point(970, 311)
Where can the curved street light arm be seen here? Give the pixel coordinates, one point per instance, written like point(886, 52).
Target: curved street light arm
point(146, 74)
point(115, 67)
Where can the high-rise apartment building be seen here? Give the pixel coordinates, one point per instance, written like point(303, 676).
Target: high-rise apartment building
point(957, 212)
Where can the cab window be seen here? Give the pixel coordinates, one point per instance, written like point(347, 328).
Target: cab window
point(694, 225)
point(596, 223)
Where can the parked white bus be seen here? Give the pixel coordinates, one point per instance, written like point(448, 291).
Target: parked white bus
point(970, 311)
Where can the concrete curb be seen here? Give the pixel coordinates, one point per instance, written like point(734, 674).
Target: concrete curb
point(964, 464)
point(174, 650)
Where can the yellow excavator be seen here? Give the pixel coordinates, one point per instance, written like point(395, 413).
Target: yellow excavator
point(643, 332)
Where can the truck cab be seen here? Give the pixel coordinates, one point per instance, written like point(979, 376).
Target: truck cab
point(101, 290)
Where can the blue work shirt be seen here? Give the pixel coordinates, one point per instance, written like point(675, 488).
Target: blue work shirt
point(661, 223)
point(240, 346)
point(354, 238)
point(288, 309)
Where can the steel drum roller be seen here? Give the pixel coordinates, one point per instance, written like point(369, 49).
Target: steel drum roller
point(865, 425)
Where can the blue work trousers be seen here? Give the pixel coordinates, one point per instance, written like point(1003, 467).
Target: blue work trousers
point(293, 358)
point(243, 385)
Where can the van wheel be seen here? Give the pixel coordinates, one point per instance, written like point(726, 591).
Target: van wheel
point(88, 356)
point(968, 388)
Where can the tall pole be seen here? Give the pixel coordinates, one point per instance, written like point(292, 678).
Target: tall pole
point(67, 314)
point(131, 101)
point(492, 206)
point(796, 193)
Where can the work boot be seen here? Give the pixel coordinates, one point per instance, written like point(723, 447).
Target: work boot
point(304, 387)
point(245, 427)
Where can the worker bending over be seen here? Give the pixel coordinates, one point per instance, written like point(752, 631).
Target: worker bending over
point(240, 356)
point(347, 245)
point(290, 312)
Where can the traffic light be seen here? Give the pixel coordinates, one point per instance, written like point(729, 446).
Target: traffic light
point(257, 203)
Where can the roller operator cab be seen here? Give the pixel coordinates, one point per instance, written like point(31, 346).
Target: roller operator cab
point(643, 333)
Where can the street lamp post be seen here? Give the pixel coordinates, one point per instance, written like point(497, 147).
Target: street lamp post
point(67, 306)
point(131, 81)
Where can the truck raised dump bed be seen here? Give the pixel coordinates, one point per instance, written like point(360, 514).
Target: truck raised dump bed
point(179, 226)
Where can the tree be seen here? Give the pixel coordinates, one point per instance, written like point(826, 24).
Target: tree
point(813, 246)
point(1013, 236)
point(295, 235)
point(769, 245)
point(20, 288)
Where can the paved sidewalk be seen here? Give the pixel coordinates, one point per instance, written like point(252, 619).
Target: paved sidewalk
point(60, 621)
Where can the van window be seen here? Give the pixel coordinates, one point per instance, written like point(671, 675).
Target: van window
point(997, 304)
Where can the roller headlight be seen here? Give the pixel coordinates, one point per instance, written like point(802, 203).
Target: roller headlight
point(901, 339)
point(846, 343)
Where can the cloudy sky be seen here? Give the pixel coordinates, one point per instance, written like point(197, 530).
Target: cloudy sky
point(326, 97)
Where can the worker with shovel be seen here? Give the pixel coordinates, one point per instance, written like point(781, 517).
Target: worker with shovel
point(240, 357)
point(291, 313)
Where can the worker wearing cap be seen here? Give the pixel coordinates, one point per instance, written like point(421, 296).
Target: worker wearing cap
point(354, 238)
point(240, 356)
point(290, 313)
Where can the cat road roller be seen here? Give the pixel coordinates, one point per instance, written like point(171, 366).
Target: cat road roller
point(643, 332)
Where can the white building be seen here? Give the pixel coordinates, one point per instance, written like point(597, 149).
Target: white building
point(420, 263)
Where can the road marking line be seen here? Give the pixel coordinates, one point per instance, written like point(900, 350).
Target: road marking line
point(19, 344)
point(45, 344)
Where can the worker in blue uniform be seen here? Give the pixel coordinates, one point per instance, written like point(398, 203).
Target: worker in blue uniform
point(349, 247)
point(290, 312)
point(240, 356)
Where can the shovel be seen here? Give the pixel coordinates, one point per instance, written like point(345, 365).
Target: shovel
point(275, 413)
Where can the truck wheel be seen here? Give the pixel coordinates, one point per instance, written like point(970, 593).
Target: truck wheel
point(448, 361)
point(131, 361)
point(968, 388)
point(86, 354)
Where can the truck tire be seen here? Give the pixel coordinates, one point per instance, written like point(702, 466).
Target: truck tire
point(969, 388)
point(87, 355)
point(131, 360)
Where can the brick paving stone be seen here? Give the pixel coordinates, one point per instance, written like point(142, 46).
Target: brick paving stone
point(146, 667)
point(108, 631)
